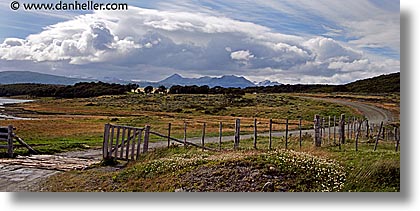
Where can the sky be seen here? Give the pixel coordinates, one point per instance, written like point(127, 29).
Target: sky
point(289, 41)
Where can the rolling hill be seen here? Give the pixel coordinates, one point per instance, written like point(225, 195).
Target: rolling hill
point(18, 77)
point(379, 84)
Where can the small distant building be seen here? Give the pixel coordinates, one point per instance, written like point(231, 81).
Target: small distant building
point(141, 90)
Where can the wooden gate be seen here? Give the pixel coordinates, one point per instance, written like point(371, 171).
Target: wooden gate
point(124, 142)
point(6, 136)
point(127, 143)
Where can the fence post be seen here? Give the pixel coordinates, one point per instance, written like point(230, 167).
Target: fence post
point(358, 134)
point(237, 133)
point(397, 140)
point(10, 140)
point(146, 138)
point(203, 135)
point(329, 128)
point(270, 126)
point(377, 137)
point(322, 129)
point(220, 135)
point(169, 134)
point(104, 145)
point(321, 125)
point(300, 132)
point(342, 129)
point(287, 130)
point(317, 125)
point(334, 128)
point(255, 133)
point(185, 134)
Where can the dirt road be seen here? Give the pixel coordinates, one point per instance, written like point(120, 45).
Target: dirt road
point(374, 114)
point(23, 173)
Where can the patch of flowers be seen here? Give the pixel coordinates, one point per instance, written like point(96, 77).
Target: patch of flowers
point(295, 170)
point(311, 173)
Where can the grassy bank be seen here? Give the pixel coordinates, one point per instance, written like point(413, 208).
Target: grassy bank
point(297, 169)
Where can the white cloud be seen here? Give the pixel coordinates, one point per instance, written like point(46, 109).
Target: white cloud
point(11, 42)
point(329, 49)
point(368, 23)
point(241, 55)
point(382, 32)
point(196, 43)
point(358, 65)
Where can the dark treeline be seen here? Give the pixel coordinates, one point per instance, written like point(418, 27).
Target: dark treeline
point(268, 89)
point(381, 84)
point(298, 88)
point(78, 90)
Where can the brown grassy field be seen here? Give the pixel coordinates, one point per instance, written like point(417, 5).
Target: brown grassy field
point(71, 124)
point(67, 124)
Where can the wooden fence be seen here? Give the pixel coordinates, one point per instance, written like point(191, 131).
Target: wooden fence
point(127, 143)
point(240, 128)
point(353, 129)
point(7, 138)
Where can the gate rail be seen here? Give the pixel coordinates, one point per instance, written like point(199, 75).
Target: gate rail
point(7, 135)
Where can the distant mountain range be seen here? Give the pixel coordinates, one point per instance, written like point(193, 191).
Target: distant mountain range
point(382, 83)
point(268, 83)
point(17, 77)
point(14, 77)
point(224, 81)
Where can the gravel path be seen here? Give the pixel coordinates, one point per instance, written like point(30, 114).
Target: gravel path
point(374, 114)
point(25, 173)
